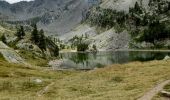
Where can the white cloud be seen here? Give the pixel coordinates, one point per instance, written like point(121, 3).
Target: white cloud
point(14, 1)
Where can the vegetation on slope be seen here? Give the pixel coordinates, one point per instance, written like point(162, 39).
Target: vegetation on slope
point(106, 18)
point(152, 26)
point(149, 25)
point(79, 43)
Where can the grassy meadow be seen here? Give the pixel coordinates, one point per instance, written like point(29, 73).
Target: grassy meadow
point(117, 82)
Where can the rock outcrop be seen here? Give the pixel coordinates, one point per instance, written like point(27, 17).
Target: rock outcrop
point(10, 55)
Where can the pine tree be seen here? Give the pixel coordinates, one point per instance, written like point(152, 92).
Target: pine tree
point(35, 35)
point(42, 40)
point(3, 38)
point(20, 33)
point(137, 8)
point(168, 5)
point(56, 51)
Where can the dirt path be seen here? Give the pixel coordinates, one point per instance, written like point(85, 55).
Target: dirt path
point(149, 95)
point(44, 90)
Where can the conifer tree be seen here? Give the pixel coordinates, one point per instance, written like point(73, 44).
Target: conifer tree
point(56, 51)
point(42, 40)
point(35, 35)
point(3, 38)
point(20, 33)
point(137, 8)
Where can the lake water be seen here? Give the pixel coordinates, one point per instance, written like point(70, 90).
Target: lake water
point(87, 61)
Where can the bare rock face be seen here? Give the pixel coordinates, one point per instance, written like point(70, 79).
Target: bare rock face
point(110, 40)
point(10, 55)
point(55, 16)
point(122, 5)
point(107, 40)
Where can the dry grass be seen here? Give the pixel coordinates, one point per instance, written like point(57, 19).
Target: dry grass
point(117, 82)
point(33, 59)
point(17, 82)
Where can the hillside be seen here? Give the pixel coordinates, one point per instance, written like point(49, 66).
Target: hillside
point(122, 5)
point(106, 40)
point(23, 50)
point(51, 15)
point(35, 35)
point(146, 22)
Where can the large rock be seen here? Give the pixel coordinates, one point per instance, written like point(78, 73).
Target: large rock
point(11, 55)
point(167, 58)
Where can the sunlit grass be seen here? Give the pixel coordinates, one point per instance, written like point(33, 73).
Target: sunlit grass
point(19, 81)
point(116, 82)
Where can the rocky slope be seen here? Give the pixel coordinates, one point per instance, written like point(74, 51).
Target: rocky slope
point(63, 18)
point(107, 40)
point(122, 4)
point(55, 16)
point(10, 55)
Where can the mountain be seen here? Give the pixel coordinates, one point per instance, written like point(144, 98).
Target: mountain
point(122, 4)
point(107, 24)
point(126, 24)
point(54, 16)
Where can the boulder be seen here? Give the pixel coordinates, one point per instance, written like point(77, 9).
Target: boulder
point(166, 58)
point(165, 93)
point(38, 81)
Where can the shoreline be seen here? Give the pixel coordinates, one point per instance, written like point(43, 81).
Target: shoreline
point(135, 50)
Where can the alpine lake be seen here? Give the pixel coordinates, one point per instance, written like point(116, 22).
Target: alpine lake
point(92, 60)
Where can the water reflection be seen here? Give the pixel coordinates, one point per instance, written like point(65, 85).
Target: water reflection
point(101, 59)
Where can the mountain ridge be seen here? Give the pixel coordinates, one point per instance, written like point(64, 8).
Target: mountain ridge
point(52, 15)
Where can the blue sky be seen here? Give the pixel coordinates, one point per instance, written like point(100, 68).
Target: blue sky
point(14, 1)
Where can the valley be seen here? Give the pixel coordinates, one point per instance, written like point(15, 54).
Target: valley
point(84, 50)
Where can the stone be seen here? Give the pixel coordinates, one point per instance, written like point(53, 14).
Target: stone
point(167, 58)
point(38, 81)
point(165, 93)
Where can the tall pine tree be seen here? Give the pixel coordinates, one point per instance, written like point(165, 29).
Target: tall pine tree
point(34, 35)
point(20, 33)
point(56, 51)
point(137, 8)
point(3, 38)
point(42, 40)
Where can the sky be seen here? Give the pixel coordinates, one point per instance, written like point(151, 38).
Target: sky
point(14, 1)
